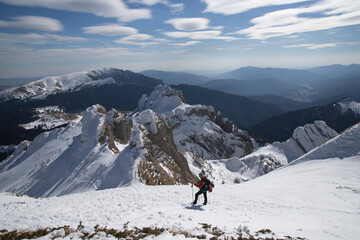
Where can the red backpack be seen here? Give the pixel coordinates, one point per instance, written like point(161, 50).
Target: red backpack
point(209, 185)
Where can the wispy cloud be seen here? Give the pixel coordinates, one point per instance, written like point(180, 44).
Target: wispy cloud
point(192, 28)
point(9, 39)
point(104, 8)
point(324, 15)
point(110, 30)
point(185, 44)
point(29, 55)
point(176, 8)
point(230, 7)
point(312, 46)
point(140, 39)
point(189, 24)
point(322, 45)
point(200, 35)
point(33, 23)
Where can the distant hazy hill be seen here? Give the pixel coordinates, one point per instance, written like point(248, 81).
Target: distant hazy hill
point(241, 110)
point(288, 105)
point(338, 115)
point(290, 76)
point(249, 87)
point(254, 81)
point(328, 82)
point(284, 104)
point(338, 88)
point(337, 71)
point(176, 77)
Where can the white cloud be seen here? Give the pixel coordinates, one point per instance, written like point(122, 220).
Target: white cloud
point(229, 7)
point(312, 46)
point(175, 7)
point(61, 38)
point(104, 8)
point(137, 37)
point(29, 55)
point(110, 30)
point(200, 35)
point(323, 45)
point(330, 14)
point(34, 23)
point(8, 39)
point(189, 24)
point(185, 44)
point(140, 39)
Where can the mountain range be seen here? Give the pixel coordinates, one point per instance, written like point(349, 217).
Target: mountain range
point(327, 82)
point(118, 89)
point(163, 141)
point(111, 88)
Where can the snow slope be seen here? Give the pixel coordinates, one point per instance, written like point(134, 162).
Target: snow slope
point(65, 160)
point(315, 199)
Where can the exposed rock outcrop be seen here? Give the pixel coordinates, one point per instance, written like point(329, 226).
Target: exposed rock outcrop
point(305, 139)
point(164, 162)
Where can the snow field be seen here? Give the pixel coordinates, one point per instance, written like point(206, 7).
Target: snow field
point(315, 199)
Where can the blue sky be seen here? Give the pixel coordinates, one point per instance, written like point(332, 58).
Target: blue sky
point(49, 37)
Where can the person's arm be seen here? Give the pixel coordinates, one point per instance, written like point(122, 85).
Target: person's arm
point(198, 184)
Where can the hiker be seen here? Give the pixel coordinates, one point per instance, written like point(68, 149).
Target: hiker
point(203, 189)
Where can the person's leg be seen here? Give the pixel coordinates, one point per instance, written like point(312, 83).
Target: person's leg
point(196, 196)
point(205, 198)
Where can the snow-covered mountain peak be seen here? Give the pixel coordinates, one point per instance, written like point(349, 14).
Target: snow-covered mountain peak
point(71, 82)
point(163, 99)
point(46, 86)
point(349, 104)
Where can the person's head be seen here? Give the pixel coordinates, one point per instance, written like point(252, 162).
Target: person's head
point(201, 175)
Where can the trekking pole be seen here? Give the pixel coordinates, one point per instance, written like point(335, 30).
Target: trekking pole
point(192, 192)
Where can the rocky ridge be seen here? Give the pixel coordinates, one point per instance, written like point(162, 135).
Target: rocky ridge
point(164, 141)
point(272, 156)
